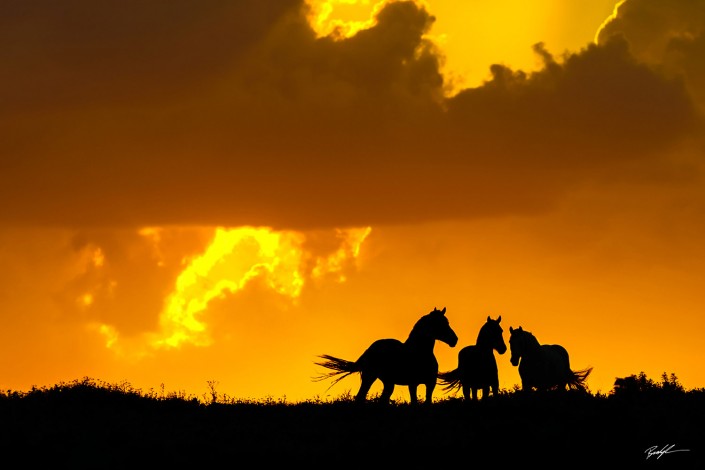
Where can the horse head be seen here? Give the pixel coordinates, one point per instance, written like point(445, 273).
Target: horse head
point(439, 327)
point(517, 344)
point(491, 335)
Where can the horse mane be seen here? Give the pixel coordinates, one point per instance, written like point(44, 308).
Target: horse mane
point(486, 329)
point(532, 338)
point(483, 331)
point(416, 328)
point(419, 326)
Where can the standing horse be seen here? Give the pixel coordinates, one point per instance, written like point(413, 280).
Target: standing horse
point(477, 366)
point(543, 366)
point(410, 363)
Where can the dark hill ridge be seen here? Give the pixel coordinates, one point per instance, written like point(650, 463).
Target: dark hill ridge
point(86, 425)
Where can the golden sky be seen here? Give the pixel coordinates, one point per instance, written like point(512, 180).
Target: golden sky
point(224, 190)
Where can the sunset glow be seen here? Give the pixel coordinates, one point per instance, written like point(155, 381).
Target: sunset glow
point(233, 258)
point(222, 191)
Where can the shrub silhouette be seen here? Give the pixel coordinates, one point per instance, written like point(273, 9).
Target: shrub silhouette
point(639, 384)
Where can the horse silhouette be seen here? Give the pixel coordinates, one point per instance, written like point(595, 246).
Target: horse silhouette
point(477, 366)
point(393, 362)
point(543, 366)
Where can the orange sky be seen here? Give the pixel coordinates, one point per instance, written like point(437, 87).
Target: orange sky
point(221, 191)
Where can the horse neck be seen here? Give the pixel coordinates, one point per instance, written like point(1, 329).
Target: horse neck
point(532, 346)
point(483, 341)
point(490, 338)
point(420, 342)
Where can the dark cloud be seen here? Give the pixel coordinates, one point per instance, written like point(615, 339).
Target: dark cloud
point(669, 35)
point(235, 113)
point(592, 113)
point(79, 53)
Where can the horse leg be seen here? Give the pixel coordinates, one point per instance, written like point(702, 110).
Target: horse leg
point(485, 392)
point(526, 385)
point(494, 386)
point(367, 381)
point(466, 392)
point(386, 392)
point(429, 392)
point(568, 379)
point(413, 391)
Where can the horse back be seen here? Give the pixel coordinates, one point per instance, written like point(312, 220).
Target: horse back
point(388, 347)
point(390, 359)
point(557, 354)
point(556, 365)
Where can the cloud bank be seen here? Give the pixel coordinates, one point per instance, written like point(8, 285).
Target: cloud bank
point(230, 113)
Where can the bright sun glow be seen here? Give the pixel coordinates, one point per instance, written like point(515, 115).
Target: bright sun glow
point(235, 257)
point(342, 18)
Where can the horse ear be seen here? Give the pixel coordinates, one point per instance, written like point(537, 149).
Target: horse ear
point(511, 330)
point(520, 329)
point(443, 311)
point(488, 318)
point(499, 318)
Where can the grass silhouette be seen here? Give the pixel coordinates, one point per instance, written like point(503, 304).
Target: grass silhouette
point(91, 424)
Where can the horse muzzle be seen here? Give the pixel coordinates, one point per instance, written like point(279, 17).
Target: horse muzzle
point(451, 341)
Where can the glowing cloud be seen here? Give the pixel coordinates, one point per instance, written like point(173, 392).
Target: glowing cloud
point(234, 258)
point(613, 16)
point(342, 18)
point(94, 261)
point(351, 241)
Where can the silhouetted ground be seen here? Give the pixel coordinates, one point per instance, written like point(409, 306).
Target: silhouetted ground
point(85, 425)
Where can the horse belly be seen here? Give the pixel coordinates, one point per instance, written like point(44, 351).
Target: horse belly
point(388, 361)
point(532, 374)
point(411, 371)
point(557, 369)
point(543, 373)
point(478, 370)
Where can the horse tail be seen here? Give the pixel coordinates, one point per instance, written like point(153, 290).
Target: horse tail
point(578, 378)
point(339, 369)
point(450, 380)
